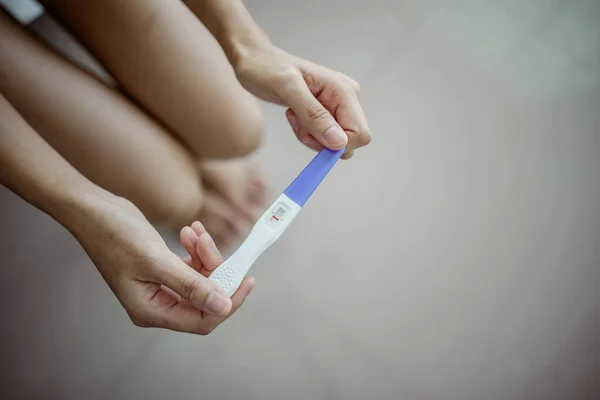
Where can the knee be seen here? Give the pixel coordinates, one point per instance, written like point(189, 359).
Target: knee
point(245, 132)
point(239, 131)
point(249, 129)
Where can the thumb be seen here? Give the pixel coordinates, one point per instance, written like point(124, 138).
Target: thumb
point(317, 120)
point(195, 288)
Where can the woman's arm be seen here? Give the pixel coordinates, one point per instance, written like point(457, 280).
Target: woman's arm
point(323, 105)
point(156, 288)
point(37, 173)
point(231, 24)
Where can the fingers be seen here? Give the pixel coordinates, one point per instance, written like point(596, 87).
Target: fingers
point(198, 228)
point(311, 121)
point(301, 133)
point(349, 112)
point(166, 311)
point(185, 318)
point(193, 287)
point(204, 256)
point(188, 239)
point(294, 121)
point(159, 306)
point(314, 116)
point(348, 154)
point(207, 251)
point(355, 86)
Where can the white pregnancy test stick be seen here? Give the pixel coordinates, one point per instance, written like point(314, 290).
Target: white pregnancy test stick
point(274, 221)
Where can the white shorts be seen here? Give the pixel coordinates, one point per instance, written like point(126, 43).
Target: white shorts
point(24, 11)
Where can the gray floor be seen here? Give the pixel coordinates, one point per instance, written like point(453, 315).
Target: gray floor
point(458, 257)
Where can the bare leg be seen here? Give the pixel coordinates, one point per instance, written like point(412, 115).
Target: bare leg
point(97, 130)
point(65, 44)
point(169, 62)
point(166, 59)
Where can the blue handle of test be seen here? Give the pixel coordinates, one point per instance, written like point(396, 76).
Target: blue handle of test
point(300, 190)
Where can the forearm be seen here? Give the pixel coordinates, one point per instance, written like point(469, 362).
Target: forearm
point(231, 24)
point(32, 169)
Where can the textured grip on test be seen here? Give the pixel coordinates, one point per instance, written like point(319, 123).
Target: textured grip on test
point(274, 221)
point(225, 277)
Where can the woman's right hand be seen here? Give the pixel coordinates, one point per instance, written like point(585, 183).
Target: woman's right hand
point(324, 109)
point(156, 287)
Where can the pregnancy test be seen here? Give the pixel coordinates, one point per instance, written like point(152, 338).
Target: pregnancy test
point(274, 221)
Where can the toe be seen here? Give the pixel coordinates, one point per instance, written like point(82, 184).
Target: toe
point(223, 221)
point(258, 187)
point(257, 194)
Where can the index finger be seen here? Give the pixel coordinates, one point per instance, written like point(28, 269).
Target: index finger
point(165, 309)
point(169, 313)
point(352, 119)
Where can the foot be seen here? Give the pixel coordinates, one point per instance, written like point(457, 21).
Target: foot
point(235, 193)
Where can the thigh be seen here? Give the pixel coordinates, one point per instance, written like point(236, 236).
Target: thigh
point(98, 131)
point(168, 61)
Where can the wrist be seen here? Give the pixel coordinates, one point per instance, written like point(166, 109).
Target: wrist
point(240, 48)
point(232, 26)
point(78, 204)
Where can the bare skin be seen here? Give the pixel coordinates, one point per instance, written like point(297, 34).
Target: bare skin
point(170, 63)
point(75, 123)
point(154, 286)
point(167, 142)
point(234, 196)
point(99, 131)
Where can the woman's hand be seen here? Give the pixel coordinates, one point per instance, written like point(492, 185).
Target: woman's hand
point(323, 105)
point(155, 286)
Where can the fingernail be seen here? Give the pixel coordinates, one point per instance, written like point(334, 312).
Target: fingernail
point(216, 303)
point(197, 227)
point(334, 136)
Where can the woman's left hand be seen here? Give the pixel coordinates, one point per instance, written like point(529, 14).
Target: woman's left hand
point(323, 105)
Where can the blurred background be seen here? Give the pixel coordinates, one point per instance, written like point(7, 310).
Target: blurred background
point(456, 257)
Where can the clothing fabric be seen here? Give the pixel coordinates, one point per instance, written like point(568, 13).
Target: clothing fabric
point(24, 11)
